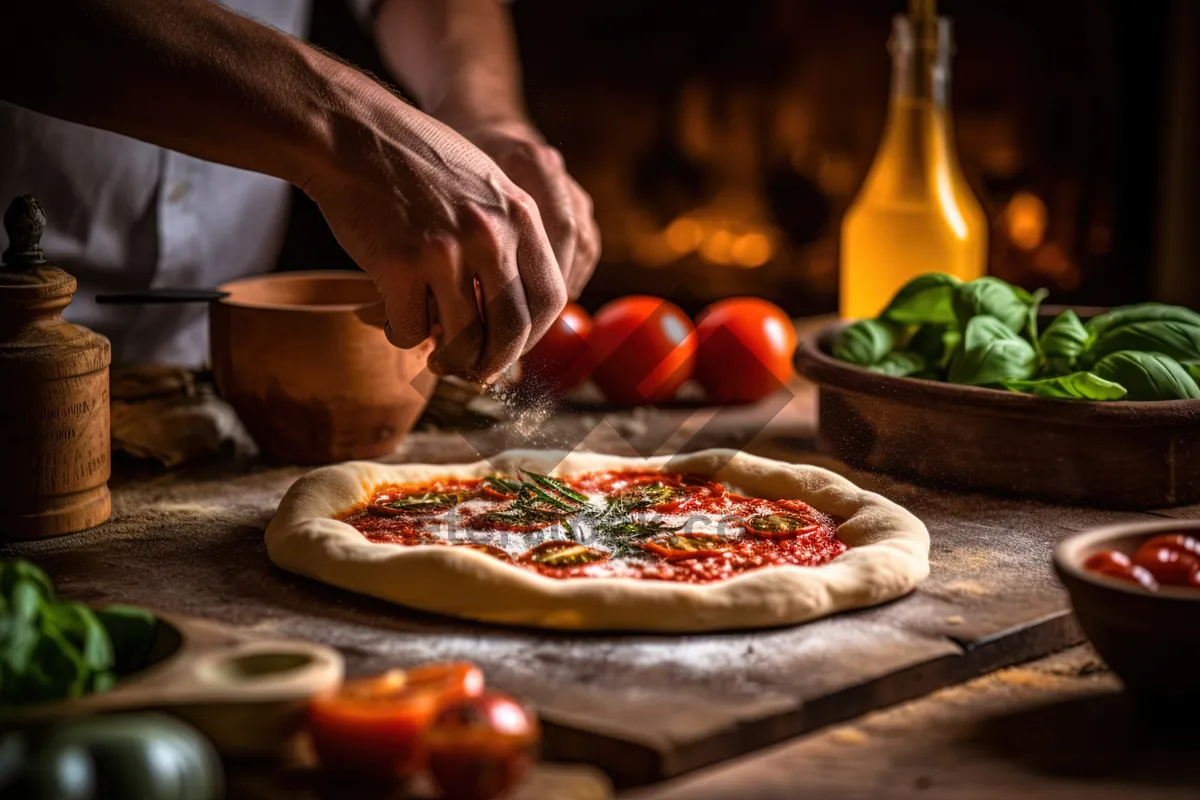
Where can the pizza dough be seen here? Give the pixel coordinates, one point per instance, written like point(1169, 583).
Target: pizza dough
point(888, 555)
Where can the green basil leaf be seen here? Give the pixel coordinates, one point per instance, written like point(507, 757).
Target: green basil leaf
point(990, 354)
point(1175, 338)
point(83, 630)
point(1031, 318)
point(935, 343)
point(994, 298)
point(1141, 312)
point(926, 298)
point(19, 633)
point(1062, 342)
point(12, 572)
point(1148, 376)
point(1076, 386)
point(1193, 369)
point(865, 342)
point(899, 364)
point(132, 632)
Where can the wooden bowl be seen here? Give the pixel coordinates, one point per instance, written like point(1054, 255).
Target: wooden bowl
point(1117, 455)
point(310, 372)
point(1151, 640)
point(246, 693)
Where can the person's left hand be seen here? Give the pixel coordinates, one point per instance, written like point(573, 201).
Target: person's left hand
point(566, 209)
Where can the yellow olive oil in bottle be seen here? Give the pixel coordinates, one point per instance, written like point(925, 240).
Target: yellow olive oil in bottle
point(915, 212)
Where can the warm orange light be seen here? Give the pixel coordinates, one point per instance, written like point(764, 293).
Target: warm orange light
point(751, 250)
point(1025, 220)
point(684, 235)
point(717, 245)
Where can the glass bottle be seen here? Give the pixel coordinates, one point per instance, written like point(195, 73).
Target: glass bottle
point(915, 212)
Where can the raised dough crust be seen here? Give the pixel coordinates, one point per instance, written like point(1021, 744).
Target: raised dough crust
point(888, 555)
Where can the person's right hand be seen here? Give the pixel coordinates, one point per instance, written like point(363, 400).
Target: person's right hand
point(427, 215)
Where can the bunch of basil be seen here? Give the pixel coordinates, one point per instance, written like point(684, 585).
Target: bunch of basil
point(985, 333)
point(51, 649)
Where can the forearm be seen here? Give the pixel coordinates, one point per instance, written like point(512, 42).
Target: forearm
point(187, 74)
point(458, 57)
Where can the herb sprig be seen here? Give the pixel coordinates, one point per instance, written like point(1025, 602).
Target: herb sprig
point(542, 500)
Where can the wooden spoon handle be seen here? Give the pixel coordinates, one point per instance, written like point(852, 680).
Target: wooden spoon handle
point(163, 295)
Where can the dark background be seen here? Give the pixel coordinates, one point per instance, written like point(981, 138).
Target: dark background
point(755, 122)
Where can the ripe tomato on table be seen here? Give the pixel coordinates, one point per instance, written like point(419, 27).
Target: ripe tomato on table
point(744, 349)
point(374, 726)
point(561, 360)
point(481, 747)
point(643, 350)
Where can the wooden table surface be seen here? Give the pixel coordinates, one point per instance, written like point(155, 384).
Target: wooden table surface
point(1058, 727)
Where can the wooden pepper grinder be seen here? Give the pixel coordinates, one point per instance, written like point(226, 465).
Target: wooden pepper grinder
point(54, 430)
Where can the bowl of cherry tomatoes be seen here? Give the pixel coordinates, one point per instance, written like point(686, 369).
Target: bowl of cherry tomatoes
point(640, 350)
point(1136, 593)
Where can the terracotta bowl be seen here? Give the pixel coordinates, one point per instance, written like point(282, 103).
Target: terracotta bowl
point(1151, 640)
point(309, 370)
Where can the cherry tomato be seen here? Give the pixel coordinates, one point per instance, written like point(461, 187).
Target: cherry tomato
point(685, 546)
point(1179, 542)
point(561, 553)
point(1115, 564)
point(373, 726)
point(481, 747)
point(1172, 560)
point(561, 360)
point(744, 349)
point(643, 349)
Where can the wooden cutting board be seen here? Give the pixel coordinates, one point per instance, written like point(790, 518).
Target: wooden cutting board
point(640, 707)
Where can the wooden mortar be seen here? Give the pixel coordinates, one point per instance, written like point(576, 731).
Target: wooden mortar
point(54, 430)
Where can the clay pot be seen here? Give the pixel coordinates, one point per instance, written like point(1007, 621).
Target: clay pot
point(304, 361)
point(1150, 639)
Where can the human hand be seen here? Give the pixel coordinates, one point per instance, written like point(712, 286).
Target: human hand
point(430, 217)
point(566, 209)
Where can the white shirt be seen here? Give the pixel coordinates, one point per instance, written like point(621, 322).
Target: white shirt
point(123, 215)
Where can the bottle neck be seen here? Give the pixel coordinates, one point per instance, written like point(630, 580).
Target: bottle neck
point(920, 75)
point(918, 138)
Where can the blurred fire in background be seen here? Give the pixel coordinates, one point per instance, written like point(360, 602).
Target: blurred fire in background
point(722, 143)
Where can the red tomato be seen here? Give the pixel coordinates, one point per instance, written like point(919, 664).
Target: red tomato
point(481, 747)
point(373, 726)
point(1115, 564)
point(1170, 560)
point(643, 350)
point(744, 349)
point(561, 360)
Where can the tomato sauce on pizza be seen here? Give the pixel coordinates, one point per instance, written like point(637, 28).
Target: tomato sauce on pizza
point(647, 525)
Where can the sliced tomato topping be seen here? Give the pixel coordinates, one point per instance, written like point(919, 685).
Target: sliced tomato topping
point(420, 501)
point(682, 546)
point(779, 526)
point(498, 487)
point(487, 549)
point(561, 553)
point(522, 520)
